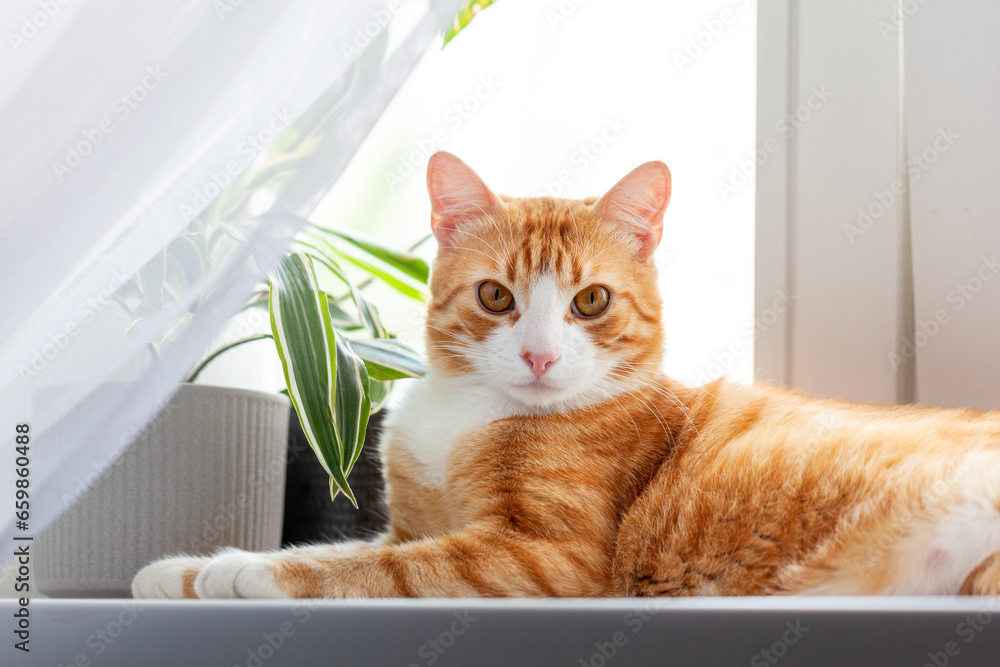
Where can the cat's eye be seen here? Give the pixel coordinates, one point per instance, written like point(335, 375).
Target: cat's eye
point(495, 297)
point(592, 301)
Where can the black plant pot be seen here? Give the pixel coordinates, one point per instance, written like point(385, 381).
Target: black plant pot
point(310, 516)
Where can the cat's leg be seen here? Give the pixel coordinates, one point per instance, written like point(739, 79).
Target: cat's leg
point(174, 577)
point(472, 563)
point(985, 579)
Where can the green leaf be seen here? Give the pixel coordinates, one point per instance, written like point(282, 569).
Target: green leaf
point(405, 262)
point(303, 336)
point(368, 312)
point(400, 284)
point(379, 393)
point(353, 405)
point(388, 359)
point(463, 17)
point(340, 318)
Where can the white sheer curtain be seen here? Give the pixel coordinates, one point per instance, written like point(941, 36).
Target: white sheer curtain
point(155, 159)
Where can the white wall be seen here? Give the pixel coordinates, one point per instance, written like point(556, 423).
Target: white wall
point(903, 153)
point(827, 102)
point(953, 118)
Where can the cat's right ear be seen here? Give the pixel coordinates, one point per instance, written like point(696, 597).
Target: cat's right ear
point(457, 195)
point(638, 202)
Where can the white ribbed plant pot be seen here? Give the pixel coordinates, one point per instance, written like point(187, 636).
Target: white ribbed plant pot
point(208, 472)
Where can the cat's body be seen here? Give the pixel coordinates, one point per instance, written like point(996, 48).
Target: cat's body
point(545, 454)
point(712, 502)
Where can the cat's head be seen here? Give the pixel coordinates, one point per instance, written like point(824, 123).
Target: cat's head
point(552, 302)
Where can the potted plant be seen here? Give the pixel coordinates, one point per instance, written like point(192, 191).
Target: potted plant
point(339, 364)
point(210, 469)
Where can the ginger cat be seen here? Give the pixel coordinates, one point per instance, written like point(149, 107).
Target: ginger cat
point(545, 454)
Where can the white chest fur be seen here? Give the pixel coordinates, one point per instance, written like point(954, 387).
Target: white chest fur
point(434, 413)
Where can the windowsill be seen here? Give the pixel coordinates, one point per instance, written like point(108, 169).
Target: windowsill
point(811, 631)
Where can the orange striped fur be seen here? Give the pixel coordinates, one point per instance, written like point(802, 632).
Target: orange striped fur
point(602, 477)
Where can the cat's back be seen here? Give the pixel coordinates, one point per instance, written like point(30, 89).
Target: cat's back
point(768, 479)
point(762, 426)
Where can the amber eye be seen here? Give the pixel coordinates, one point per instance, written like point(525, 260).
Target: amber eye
point(495, 297)
point(592, 301)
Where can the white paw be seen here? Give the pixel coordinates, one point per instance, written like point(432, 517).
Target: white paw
point(238, 574)
point(165, 578)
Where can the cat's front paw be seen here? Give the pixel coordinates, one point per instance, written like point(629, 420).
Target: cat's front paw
point(170, 578)
point(229, 574)
point(238, 574)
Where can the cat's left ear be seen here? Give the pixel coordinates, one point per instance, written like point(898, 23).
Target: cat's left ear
point(638, 202)
point(457, 195)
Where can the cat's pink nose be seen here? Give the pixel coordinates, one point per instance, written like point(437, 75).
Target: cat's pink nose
point(539, 361)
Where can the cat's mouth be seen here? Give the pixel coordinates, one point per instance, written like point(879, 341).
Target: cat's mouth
point(540, 388)
point(538, 383)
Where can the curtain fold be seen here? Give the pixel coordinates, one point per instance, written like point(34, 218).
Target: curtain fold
point(158, 157)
